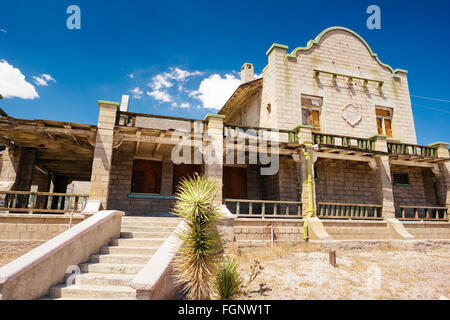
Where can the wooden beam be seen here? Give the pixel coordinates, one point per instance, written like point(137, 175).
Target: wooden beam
point(7, 127)
point(412, 163)
point(7, 143)
point(339, 156)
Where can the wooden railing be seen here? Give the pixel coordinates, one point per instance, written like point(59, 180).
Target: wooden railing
point(264, 208)
point(412, 150)
point(349, 211)
point(344, 141)
point(42, 202)
point(422, 213)
point(251, 132)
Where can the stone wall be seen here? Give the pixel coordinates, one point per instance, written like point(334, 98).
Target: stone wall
point(420, 192)
point(342, 181)
point(339, 51)
point(120, 186)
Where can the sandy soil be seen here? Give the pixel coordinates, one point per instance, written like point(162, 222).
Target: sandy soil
point(11, 250)
point(359, 274)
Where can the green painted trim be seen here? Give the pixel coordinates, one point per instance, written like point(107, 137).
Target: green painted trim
point(316, 41)
point(377, 135)
point(303, 126)
point(150, 196)
point(276, 45)
point(402, 184)
point(109, 102)
point(214, 115)
point(439, 142)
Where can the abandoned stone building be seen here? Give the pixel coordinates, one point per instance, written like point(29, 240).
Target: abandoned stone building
point(333, 99)
point(323, 142)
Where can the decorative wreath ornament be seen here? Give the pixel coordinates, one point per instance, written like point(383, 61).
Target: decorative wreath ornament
point(351, 113)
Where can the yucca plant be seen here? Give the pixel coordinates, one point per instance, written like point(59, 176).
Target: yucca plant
point(228, 281)
point(198, 258)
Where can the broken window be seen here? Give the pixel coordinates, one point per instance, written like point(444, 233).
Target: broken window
point(384, 121)
point(401, 178)
point(311, 111)
point(146, 176)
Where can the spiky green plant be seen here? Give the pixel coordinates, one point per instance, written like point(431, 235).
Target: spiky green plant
point(228, 280)
point(198, 258)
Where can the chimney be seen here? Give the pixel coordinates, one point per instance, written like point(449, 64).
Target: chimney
point(247, 72)
point(124, 103)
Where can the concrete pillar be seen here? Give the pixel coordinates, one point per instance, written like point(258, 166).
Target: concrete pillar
point(213, 156)
point(443, 178)
point(9, 162)
point(101, 165)
point(385, 193)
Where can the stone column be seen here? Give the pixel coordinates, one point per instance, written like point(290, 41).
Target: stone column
point(9, 168)
point(167, 177)
point(25, 170)
point(384, 181)
point(101, 166)
point(213, 157)
point(443, 179)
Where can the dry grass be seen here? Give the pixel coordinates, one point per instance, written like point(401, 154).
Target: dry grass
point(296, 273)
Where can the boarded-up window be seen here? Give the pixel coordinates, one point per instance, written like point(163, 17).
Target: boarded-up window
point(311, 111)
point(146, 176)
point(184, 171)
point(234, 183)
point(384, 121)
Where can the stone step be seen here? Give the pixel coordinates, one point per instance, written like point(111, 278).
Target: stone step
point(146, 243)
point(128, 250)
point(128, 228)
point(149, 223)
point(120, 259)
point(104, 279)
point(88, 292)
point(147, 235)
point(117, 268)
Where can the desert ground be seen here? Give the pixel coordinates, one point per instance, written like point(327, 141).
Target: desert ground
point(12, 249)
point(291, 273)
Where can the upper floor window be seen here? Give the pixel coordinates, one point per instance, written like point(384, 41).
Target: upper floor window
point(311, 111)
point(146, 176)
point(384, 121)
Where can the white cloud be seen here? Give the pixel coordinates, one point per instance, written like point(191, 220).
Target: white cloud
point(43, 79)
point(13, 83)
point(164, 80)
point(185, 105)
point(137, 93)
point(257, 76)
point(214, 91)
point(131, 76)
point(3, 30)
point(160, 95)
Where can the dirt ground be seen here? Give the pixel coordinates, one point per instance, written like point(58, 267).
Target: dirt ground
point(11, 250)
point(360, 274)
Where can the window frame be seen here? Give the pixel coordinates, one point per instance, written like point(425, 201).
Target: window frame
point(311, 108)
point(401, 182)
point(384, 118)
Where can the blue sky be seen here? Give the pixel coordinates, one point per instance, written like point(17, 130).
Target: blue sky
point(194, 46)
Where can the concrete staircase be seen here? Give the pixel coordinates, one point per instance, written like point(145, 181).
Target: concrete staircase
point(109, 274)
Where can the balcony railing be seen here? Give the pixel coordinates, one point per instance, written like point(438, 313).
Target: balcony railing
point(343, 141)
point(349, 211)
point(422, 213)
point(42, 202)
point(412, 150)
point(250, 132)
point(264, 208)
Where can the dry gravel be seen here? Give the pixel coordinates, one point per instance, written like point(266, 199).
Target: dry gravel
point(359, 274)
point(13, 249)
